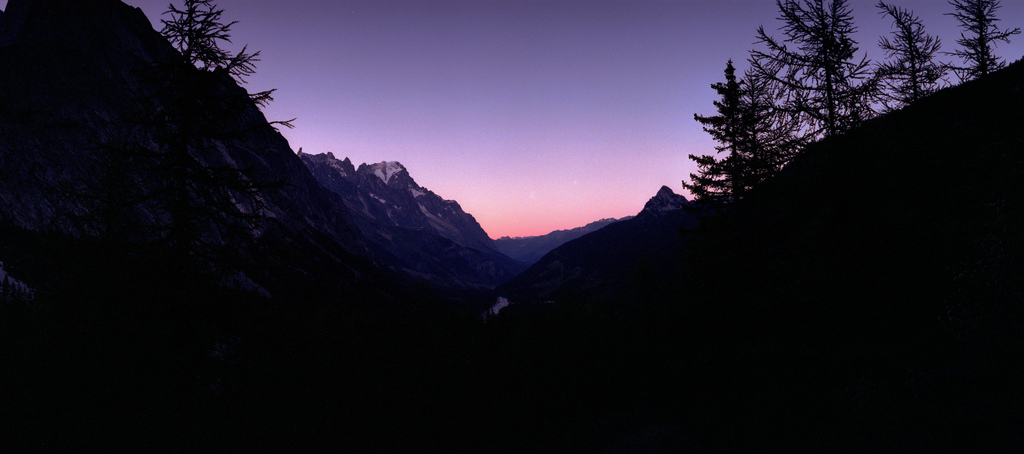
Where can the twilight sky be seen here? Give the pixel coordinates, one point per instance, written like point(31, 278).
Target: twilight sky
point(533, 115)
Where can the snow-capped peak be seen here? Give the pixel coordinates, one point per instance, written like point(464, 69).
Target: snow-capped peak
point(343, 167)
point(385, 170)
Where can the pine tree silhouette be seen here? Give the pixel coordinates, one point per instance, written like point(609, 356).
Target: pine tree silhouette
point(978, 20)
point(911, 72)
point(828, 86)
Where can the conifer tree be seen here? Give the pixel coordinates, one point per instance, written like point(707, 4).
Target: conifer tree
point(978, 20)
point(720, 180)
point(755, 134)
point(827, 85)
point(183, 114)
point(911, 71)
point(197, 29)
point(770, 133)
point(195, 116)
point(163, 172)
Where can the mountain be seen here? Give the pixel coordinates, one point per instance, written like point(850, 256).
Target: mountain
point(530, 249)
point(614, 261)
point(426, 236)
point(664, 201)
point(387, 193)
point(71, 73)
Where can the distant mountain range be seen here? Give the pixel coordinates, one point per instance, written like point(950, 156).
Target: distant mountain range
point(619, 258)
point(530, 249)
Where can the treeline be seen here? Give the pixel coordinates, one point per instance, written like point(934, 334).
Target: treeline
point(811, 85)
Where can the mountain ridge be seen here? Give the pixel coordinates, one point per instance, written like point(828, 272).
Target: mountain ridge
point(60, 114)
point(587, 225)
point(402, 217)
point(614, 261)
point(530, 249)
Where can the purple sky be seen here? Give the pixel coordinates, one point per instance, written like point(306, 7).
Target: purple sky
point(533, 115)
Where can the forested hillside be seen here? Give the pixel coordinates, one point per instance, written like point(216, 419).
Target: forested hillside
point(872, 291)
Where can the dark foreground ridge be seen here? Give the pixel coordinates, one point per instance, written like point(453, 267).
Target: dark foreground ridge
point(869, 297)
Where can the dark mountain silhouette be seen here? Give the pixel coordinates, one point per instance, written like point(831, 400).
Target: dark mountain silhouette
point(430, 238)
point(531, 248)
point(875, 284)
point(69, 75)
point(615, 261)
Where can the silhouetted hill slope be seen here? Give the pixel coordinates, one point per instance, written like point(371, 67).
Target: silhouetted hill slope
point(530, 249)
point(70, 74)
point(870, 295)
point(613, 262)
point(868, 299)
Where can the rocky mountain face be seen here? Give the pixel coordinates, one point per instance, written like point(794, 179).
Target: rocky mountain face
point(530, 249)
point(664, 201)
point(70, 74)
point(387, 193)
point(615, 262)
point(429, 236)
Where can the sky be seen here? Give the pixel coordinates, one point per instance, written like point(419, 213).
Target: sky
point(535, 115)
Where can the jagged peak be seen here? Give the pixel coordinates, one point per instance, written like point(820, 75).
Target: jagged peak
point(665, 200)
point(343, 167)
point(386, 169)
